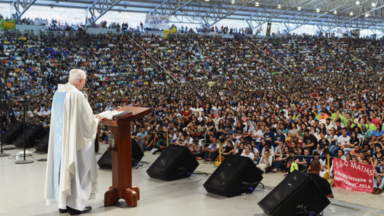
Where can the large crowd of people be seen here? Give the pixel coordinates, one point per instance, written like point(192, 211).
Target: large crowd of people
point(278, 101)
point(63, 25)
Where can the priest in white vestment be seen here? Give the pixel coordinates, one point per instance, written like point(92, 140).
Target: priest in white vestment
point(71, 175)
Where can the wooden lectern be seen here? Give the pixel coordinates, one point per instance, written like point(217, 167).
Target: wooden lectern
point(122, 159)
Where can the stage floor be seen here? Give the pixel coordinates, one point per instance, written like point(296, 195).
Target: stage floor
point(22, 193)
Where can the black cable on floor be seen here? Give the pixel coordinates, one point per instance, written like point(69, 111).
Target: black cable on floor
point(200, 173)
point(265, 187)
point(28, 155)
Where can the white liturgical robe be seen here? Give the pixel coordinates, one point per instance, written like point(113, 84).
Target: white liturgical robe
point(71, 175)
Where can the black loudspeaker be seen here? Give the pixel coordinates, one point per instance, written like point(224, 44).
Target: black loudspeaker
point(176, 162)
point(296, 194)
point(13, 133)
point(32, 133)
point(234, 176)
point(42, 145)
point(105, 161)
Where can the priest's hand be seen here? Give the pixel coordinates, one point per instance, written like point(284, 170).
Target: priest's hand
point(100, 118)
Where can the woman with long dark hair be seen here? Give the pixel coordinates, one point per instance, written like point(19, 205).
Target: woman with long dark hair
point(253, 120)
point(354, 140)
point(148, 142)
point(197, 110)
point(348, 157)
point(217, 118)
point(300, 151)
point(292, 134)
point(378, 155)
point(257, 135)
point(333, 138)
point(216, 108)
point(187, 115)
point(211, 127)
point(171, 115)
point(340, 154)
point(194, 122)
point(220, 129)
point(238, 131)
point(377, 135)
point(323, 129)
point(166, 124)
point(207, 109)
point(228, 148)
point(240, 149)
point(212, 114)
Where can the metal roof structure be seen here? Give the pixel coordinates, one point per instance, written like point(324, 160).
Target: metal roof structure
point(327, 15)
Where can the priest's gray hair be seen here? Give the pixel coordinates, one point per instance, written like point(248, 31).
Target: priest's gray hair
point(75, 75)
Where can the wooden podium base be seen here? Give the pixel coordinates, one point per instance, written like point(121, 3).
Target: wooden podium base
point(122, 159)
point(130, 195)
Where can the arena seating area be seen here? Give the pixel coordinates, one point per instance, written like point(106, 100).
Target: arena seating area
point(282, 100)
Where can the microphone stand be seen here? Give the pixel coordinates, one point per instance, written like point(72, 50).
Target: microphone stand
point(24, 131)
point(2, 112)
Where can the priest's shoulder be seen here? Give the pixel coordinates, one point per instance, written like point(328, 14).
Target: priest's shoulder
point(69, 89)
point(61, 88)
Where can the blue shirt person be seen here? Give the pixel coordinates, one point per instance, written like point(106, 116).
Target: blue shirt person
point(141, 135)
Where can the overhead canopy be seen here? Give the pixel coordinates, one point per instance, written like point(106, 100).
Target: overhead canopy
point(326, 15)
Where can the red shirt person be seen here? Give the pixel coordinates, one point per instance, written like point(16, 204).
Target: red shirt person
point(187, 115)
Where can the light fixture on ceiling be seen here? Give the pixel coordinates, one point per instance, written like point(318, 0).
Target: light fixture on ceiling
point(206, 0)
point(299, 8)
point(357, 2)
point(257, 4)
point(279, 6)
point(351, 14)
point(335, 12)
point(366, 15)
point(233, 1)
point(373, 4)
point(317, 10)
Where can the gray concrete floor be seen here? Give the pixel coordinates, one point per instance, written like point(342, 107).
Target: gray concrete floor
point(22, 193)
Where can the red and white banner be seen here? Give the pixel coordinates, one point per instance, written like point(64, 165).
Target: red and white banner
point(353, 176)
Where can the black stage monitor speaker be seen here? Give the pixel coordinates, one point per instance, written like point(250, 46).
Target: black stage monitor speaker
point(234, 176)
point(105, 162)
point(42, 145)
point(176, 162)
point(13, 133)
point(32, 133)
point(295, 195)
